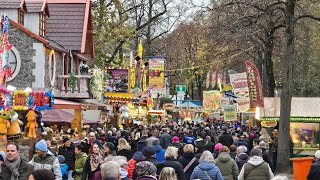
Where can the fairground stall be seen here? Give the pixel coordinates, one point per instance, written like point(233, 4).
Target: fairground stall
point(304, 121)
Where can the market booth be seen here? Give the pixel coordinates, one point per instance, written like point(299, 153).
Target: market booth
point(305, 121)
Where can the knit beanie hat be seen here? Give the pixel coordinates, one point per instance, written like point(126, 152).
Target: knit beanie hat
point(110, 146)
point(42, 146)
point(218, 146)
point(148, 151)
point(175, 139)
point(138, 156)
point(65, 139)
point(145, 168)
point(61, 159)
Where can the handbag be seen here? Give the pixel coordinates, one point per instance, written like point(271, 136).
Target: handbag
point(189, 164)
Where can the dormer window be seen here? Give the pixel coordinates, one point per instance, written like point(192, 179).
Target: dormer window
point(21, 16)
point(42, 25)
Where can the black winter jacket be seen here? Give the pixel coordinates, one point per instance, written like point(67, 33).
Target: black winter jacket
point(184, 160)
point(171, 162)
point(241, 160)
point(225, 139)
point(69, 155)
point(314, 172)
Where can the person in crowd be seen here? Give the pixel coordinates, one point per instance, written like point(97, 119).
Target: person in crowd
point(110, 138)
point(160, 152)
point(110, 170)
point(41, 174)
point(91, 169)
point(145, 170)
point(188, 160)
point(233, 151)
point(209, 145)
point(13, 166)
point(50, 150)
point(171, 156)
point(228, 167)
point(67, 150)
point(150, 154)
point(165, 139)
point(123, 164)
point(265, 137)
point(137, 157)
point(142, 143)
point(216, 151)
point(207, 169)
point(274, 147)
point(189, 138)
point(124, 149)
point(314, 172)
point(225, 138)
point(168, 173)
point(265, 154)
point(255, 143)
point(134, 142)
point(255, 168)
point(88, 142)
point(63, 167)
point(199, 146)
point(175, 142)
point(80, 161)
point(242, 156)
point(242, 142)
point(43, 160)
point(109, 150)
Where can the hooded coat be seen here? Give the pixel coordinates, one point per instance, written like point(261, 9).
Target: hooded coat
point(79, 164)
point(206, 169)
point(241, 159)
point(68, 154)
point(171, 162)
point(228, 167)
point(254, 169)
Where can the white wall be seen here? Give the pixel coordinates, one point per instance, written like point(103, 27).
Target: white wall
point(31, 22)
point(39, 71)
point(11, 13)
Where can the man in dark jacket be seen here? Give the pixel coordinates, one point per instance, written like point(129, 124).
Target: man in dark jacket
point(242, 142)
point(314, 172)
point(67, 151)
point(150, 154)
point(13, 165)
point(225, 138)
point(165, 139)
point(88, 142)
point(265, 154)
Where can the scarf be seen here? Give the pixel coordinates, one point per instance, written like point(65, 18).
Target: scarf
point(95, 161)
point(13, 167)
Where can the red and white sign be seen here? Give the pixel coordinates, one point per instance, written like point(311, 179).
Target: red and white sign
point(255, 85)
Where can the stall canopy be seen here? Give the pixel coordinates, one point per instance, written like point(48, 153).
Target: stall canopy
point(302, 109)
point(61, 116)
point(189, 104)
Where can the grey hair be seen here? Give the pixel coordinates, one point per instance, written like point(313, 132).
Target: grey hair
point(256, 152)
point(110, 169)
point(206, 156)
point(242, 149)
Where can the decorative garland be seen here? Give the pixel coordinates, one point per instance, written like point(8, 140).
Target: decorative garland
point(5, 69)
point(72, 82)
point(21, 100)
point(98, 82)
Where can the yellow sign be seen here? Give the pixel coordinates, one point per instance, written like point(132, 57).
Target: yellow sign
point(229, 113)
point(156, 73)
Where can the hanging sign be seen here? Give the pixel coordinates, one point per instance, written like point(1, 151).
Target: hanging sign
point(239, 83)
point(224, 102)
point(243, 104)
point(255, 85)
point(229, 113)
point(211, 100)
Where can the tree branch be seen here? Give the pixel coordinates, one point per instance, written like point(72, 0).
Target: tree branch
point(306, 16)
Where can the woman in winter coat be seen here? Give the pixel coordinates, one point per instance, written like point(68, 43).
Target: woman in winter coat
point(207, 169)
point(242, 157)
point(228, 167)
point(171, 156)
point(124, 149)
point(92, 167)
point(81, 158)
point(188, 160)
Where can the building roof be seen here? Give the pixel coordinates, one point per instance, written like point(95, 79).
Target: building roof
point(69, 22)
point(37, 6)
point(12, 4)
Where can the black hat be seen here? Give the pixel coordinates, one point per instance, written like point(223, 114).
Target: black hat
point(65, 139)
point(148, 151)
point(110, 146)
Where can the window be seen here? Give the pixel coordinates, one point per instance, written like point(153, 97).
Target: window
point(21, 16)
point(14, 63)
point(42, 24)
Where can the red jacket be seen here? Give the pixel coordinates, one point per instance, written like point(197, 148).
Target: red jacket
point(131, 163)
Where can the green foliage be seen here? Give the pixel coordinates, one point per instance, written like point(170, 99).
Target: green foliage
point(72, 81)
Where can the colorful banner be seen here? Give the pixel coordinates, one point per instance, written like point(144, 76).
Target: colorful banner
point(229, 113)
point(213, 79)
point(255, 85)
point(156, 73)
point(239, 83)
point(211, 100)
point(243, 104)
point(208, 80)
point(224, 102)
point(117, 80)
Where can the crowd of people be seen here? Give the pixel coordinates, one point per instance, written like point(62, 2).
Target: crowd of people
point(155, 152)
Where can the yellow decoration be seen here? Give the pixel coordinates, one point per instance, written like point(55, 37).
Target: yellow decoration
point(140, 49)
point(4, 125)
point(32, 124)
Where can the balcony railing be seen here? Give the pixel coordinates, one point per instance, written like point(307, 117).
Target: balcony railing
point(81, 89)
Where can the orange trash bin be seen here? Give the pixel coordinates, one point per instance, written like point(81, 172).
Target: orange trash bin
point(301, 167)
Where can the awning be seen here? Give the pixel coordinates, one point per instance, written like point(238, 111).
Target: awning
point(85, 105)
point(60, 116)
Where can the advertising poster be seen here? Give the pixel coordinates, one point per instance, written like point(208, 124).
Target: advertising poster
point(243, 104)
point(239, 83)
point(230, 113)
point(117, 80)
point(211, 100)
point(224, 102)
point(255, 85)
point(156, 73)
